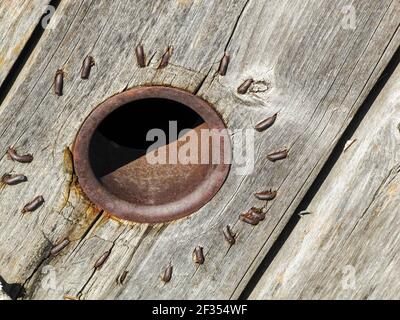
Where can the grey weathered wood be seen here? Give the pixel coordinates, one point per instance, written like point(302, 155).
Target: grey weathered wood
point(18, 20)
point(318, 74)
point(4, 296)
point(348, 248)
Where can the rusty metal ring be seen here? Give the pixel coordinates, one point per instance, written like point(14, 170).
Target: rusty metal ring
point(101, 196)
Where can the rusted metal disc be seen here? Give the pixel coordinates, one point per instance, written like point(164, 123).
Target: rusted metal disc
point(143, 192)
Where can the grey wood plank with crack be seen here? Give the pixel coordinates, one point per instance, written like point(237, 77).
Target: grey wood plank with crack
point(348, 247)
point(306, 65)
point(18, 19)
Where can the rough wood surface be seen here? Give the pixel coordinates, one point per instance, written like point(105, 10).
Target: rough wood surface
point(307, 66)
point(348, 247)
point(18, 19)
point(4, 296)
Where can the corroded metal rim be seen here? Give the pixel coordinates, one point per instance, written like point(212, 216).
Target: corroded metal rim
point(123, 209)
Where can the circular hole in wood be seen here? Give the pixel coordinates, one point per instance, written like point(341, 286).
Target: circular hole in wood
point(152, 154)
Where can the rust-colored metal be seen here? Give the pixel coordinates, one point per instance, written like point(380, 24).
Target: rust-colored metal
point(59, 82)
point(249, 219)
point(244, 87)
point(59, 247)
point(253, 216)
point(278, 155)
point(265, 124)
point(33, 205)
point(87, 65)
point(13, 179)
point(257, 213)
point(121, 278)
point(151, 193)
point(267, 195)
point(167, 274)
point(198, 255)
point(103, 258)
point(223, 65)
point(229, 235)
point(140, 56)
point(165, 58)
point(14, 156)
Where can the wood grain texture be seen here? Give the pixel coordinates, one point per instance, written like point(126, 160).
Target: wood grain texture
point(18, 19)
point(4, 296)
point(348, 247)
point(306, 66)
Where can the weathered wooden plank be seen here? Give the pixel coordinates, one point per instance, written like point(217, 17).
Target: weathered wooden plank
point(3, 295)
point(18, 19)
point(348, 247)
point(317, 74)
point(81, 30)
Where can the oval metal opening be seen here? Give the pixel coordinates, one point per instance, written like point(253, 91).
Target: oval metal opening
point(152, 154)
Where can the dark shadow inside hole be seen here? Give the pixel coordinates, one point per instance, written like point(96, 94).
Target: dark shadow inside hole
point(121, 137)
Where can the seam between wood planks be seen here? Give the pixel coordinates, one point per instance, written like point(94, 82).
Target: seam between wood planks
point(23, 56)
point(323, 173)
